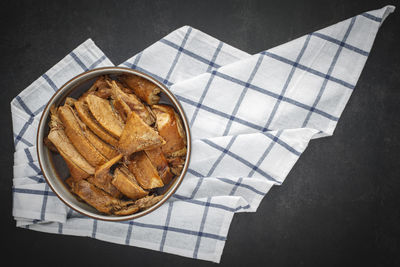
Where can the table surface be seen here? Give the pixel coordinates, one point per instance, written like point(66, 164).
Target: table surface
point(340, 203)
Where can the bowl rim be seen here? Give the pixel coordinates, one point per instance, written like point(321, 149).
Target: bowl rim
point(172, 188)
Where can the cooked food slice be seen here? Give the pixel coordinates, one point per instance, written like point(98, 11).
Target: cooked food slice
point(99, 88)
point(87, 118)
point(74, 169)
point(128, 210)
point(69, 181)
point(79, 167)
point(102, 201)
point(122, 108)
point(116, 113)
point(127, 184)
point(105, 185)
point(78, 139)
point(137, 136)
point(176, 164)
point(147, 202)
point(69, 101)
point(49, 145)
point(145, 173)
point(144, 89)
point(105, 168)
point(105, 149)
point(102, 178)
point(104, 114)
point(102, 86)
point(159, 162)
point(125, 103)
point(170, 128)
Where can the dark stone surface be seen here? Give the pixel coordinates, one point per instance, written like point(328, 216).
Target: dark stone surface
point(340, 203)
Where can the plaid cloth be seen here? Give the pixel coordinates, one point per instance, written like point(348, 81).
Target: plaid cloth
point(251, 117)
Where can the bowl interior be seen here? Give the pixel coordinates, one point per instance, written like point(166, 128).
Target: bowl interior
point(53, 166)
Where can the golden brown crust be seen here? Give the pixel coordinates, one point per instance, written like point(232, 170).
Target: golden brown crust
point(138, 136)
point(122, 108)
point(87, 118)
point(102, 201)
point(129, 102)
point(148, 201)
point(170, 128)
point(105, 168)
point(104, 114)
point(105, 149)
point(127, 184)
point(159, 162)
point(105, 185)
point(176, 164)
point(49, 145)
point(77, 138)
point(79, 167)
point(144, 89)
point(145, 173)
point(74, 170)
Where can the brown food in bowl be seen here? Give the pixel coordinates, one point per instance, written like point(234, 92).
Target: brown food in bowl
point(119, 144)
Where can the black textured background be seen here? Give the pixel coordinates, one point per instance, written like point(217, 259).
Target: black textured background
point(339, 206)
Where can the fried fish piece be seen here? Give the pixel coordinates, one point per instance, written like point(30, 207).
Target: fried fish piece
point(137, 136)
point(105, 149)
point(126, 182)
point(78, 166)
point(104, 114)
point(77, 137)
point(144, 89)
point(170, 128)
point(125, 103)
point(122, 108)
point(49, 145)
point(159, 162)
point(102, 177)
point(87, 118)
point(102, 201)
point(147, 202)
point(144, 171)
point(99, 88)
point(176, 164)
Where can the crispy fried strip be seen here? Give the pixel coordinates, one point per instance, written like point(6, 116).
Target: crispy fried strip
point(105, 149)
point(105, 185)
point(84, 114)
point(129, 102)
point(148, 201)
point(102, 177)
point(170, 128)
point(144, 89)
point(137, 136)
point(78, 166)
point(122, 108)
point(176, 164)
point(159, 162)
point(99, 88)
point(100, 200)
point(104, 114)
point(127, 184)
point(105, 168)
point(78, 139)
point(145, 173)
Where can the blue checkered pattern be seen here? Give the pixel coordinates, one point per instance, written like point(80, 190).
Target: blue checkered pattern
point(251, 117)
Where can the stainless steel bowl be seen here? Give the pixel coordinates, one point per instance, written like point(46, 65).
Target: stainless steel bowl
point(55, 170)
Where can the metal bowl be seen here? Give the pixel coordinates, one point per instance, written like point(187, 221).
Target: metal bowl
point(53, 166)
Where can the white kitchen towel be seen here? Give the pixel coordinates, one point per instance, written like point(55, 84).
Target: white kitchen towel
point(251, 117)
